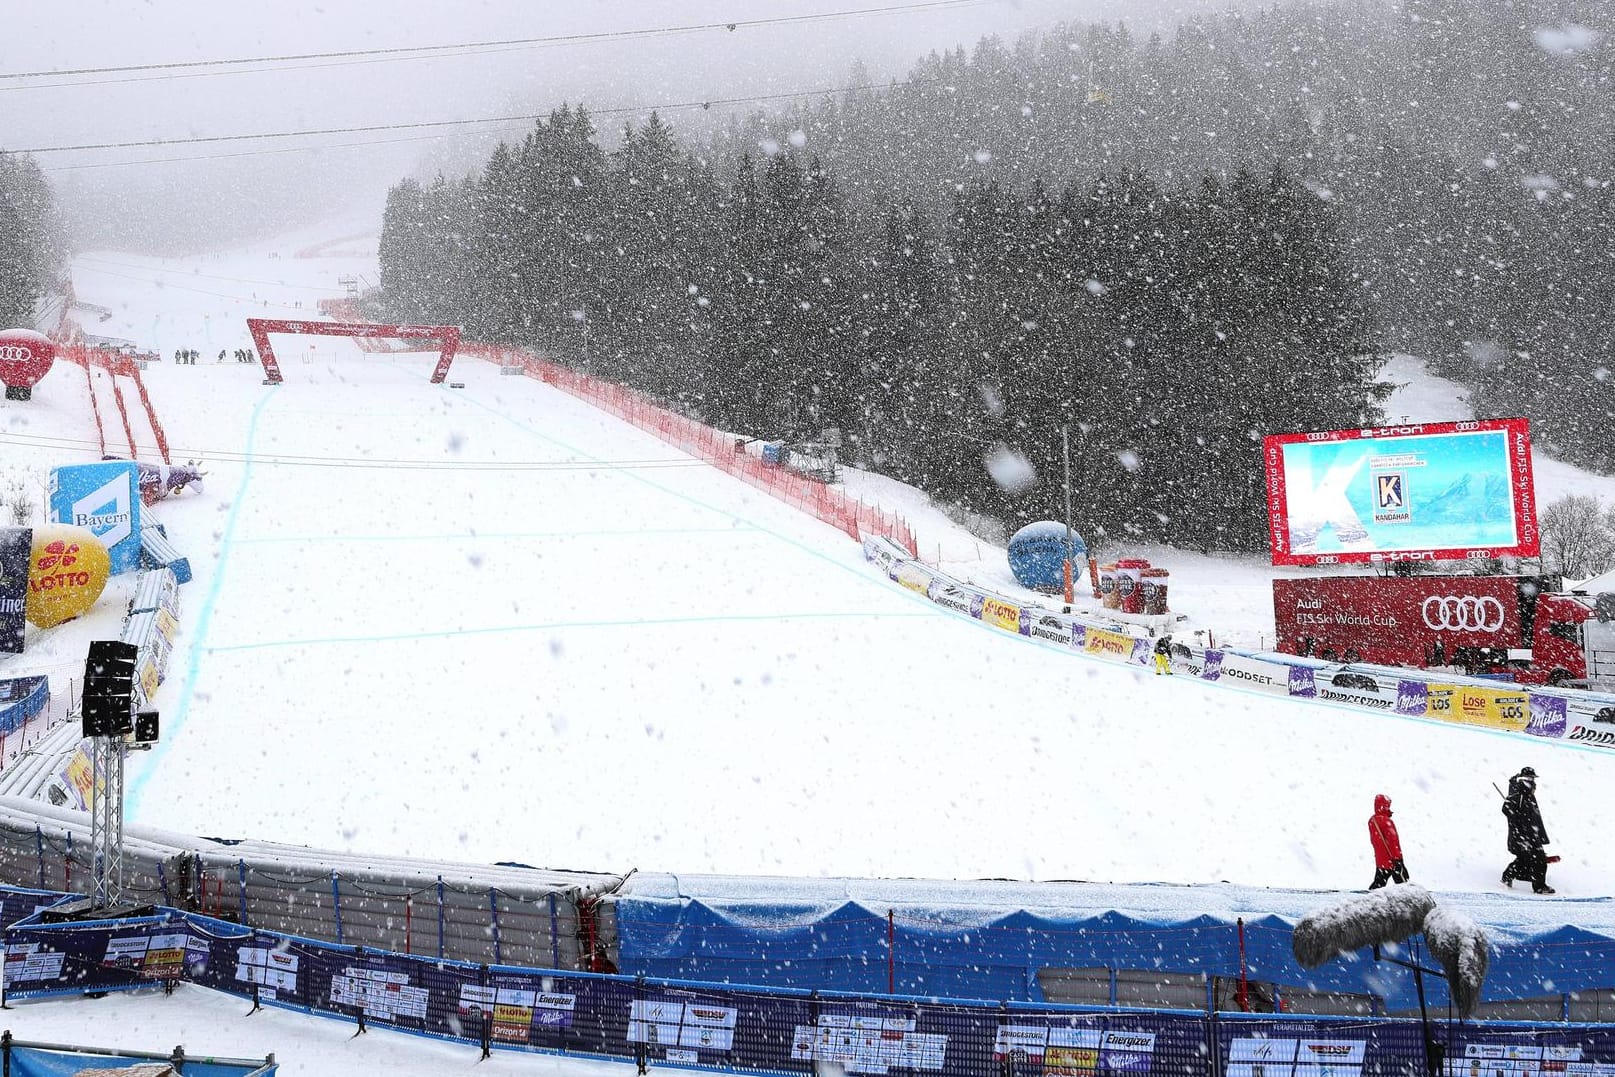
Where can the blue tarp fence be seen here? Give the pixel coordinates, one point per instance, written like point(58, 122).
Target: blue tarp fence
point(20, 699)
point(761, 1030)
point(960, 954)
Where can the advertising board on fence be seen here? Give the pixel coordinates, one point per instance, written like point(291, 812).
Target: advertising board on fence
point(1433, 491)
point(105, 498)
point(15, 545)
point(1229, 668)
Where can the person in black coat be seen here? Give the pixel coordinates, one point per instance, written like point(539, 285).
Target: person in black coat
point(1526, 834)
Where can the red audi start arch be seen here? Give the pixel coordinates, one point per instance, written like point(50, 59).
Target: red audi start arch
point(446, 336)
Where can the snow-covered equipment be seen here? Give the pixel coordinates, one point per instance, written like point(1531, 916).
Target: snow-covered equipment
point(1462, 950)
point(1378, 918)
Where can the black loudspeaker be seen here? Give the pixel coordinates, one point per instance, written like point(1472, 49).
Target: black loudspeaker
point(109, 685)
point(145, 727)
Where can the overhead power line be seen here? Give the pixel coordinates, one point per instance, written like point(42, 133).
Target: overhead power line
point(439, 124)
point(188, 68)
point(369, 463)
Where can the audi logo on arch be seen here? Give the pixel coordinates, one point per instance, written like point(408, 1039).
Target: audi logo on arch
point(1465, 613)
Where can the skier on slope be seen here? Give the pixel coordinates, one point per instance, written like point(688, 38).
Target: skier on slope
point(1387, 843)
point(1163, 656)
point(1526, 834)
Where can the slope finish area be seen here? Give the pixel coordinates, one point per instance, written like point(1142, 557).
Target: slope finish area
point(493, 623)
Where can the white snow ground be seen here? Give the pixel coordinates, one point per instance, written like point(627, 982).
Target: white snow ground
point(496, 624)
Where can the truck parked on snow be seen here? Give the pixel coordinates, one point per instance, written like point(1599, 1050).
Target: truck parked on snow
point(1490, 625)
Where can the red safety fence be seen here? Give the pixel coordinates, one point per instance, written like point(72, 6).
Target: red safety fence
point(723, 451)
point(117, 365)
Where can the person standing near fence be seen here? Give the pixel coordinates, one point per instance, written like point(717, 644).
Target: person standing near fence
point(1388, 866)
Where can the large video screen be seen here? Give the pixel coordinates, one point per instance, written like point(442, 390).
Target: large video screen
point(1428, 492)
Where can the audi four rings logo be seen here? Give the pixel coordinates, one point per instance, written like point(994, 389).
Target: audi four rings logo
point(15, 353)
point(1466, 613)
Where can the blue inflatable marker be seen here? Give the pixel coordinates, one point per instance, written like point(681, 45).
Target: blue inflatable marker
point(1037, 555)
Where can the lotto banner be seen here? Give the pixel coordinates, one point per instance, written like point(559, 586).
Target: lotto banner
point(1001, 614)
point(1430, 492)
point(105, 499)
point(1103, 643)
point(15, 545)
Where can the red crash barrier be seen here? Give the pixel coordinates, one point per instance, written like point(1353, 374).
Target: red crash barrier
point(117, 365)
point(703, 442)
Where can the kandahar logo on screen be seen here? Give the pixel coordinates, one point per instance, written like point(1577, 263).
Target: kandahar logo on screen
point(1390, 498)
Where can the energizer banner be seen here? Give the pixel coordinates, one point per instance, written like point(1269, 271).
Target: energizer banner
point(15, 544)
point(1427, 492)
point(105, 498)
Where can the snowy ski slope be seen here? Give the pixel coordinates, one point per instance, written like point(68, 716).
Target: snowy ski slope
point(493, 623)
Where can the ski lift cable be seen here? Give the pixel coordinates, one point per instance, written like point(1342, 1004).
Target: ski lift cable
point(184, 67)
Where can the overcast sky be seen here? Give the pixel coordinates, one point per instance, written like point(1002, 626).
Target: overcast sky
point(226, 182)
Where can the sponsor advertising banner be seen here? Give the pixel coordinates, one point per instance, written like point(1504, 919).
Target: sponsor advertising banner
point(868, 1043)
point(1597, 738)
point(1226, 668)
point(1106, 644)
point(882, 553)
point(1495, 708)
point(379, 993)
point(1549, 716)
point(1048, 626)
point(956, 597)
point(1001, 614)
point(1303, 684)
point(15, 545)
point(1435, 491)
point(915, 577)
point(699, 1025)
point(104, 498)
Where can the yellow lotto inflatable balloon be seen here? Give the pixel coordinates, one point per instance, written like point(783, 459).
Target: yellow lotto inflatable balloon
point(67, 571)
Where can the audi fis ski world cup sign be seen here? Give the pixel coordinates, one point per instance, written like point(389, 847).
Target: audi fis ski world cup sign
point(1427, 492)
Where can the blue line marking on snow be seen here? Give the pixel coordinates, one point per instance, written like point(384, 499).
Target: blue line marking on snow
point(204, 618)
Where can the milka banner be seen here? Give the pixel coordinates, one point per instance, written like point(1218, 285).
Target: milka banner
point(15, 544)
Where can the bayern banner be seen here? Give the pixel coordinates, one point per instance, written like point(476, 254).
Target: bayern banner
point(1427, 492)
point(105, 498)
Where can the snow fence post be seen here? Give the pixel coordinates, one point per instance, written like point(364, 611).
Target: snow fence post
point(555, 934)
point(358, 957)
point(336, 906)
point(485, 1038)
point(39, 844)
point(641, 1052)
point(162, 882)
point(440, 917)
point(493, 910)
point(241, 887)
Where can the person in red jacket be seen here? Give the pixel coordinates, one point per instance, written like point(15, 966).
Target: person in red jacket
point(1388, 866)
